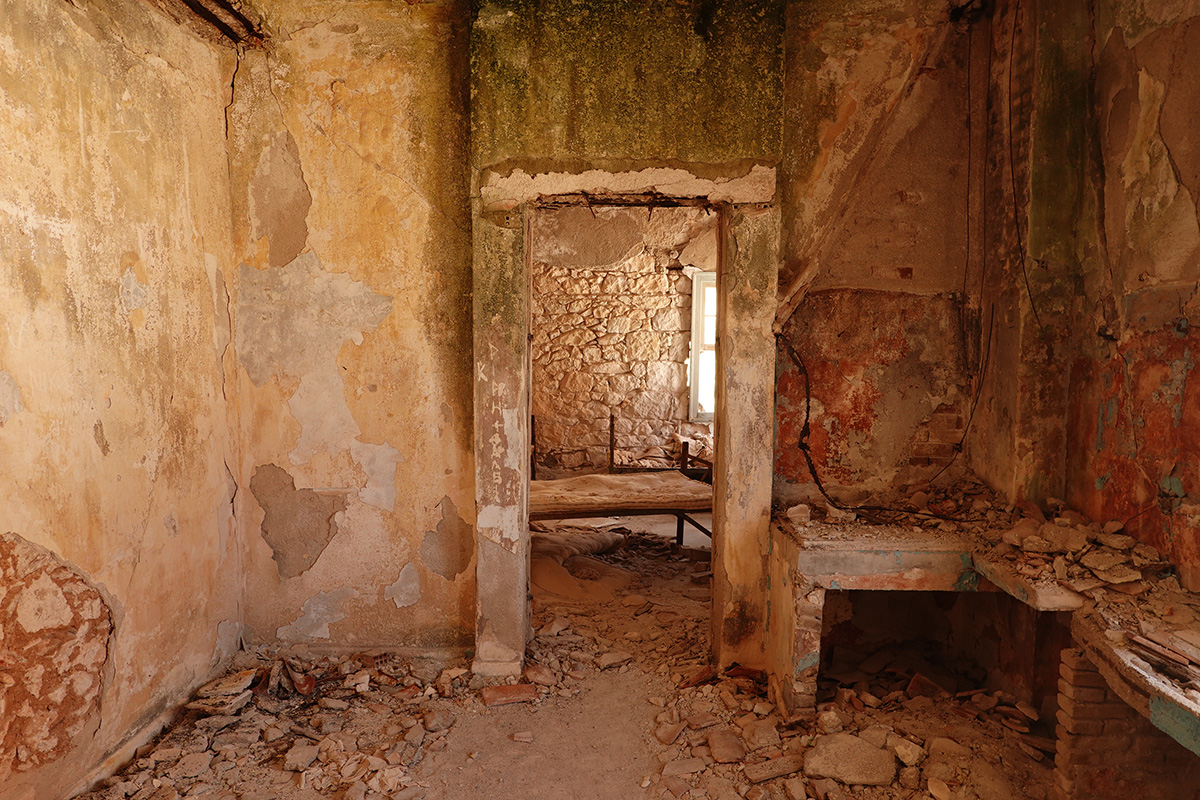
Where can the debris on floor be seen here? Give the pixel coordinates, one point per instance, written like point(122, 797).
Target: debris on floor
point(370, 726)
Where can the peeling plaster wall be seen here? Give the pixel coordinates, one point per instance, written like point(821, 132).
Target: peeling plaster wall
point(119, 561)
point(354, 325)
point(875, 231)
point(1135, 407)
point(1031, 202)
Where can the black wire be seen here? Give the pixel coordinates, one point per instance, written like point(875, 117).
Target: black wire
point(1012, 169)
point(806, 451)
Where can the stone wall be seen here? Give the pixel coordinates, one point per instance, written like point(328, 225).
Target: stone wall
point(611, 326)
point(1107, 751)
point(120, 563)
point(348, 147)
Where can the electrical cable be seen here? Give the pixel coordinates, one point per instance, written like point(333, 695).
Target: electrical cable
point(1012, 161)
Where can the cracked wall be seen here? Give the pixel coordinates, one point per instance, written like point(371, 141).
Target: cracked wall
point(875, 245)
point(115, 252)
point(353, 325)
point(1134, 424)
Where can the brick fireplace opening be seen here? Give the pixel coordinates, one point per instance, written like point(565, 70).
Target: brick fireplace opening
point(937, 644)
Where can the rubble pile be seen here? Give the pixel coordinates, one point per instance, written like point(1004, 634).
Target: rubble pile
point(893, 734)
point(356, 726)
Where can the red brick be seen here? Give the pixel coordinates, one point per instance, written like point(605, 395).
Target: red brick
point(1075, 659)
point(503, 695)
point(1087, 727)
point(1081, 677)
point(1080, 711)
point(1122, 727)
point(1082, 694)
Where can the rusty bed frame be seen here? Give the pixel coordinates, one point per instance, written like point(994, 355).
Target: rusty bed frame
point(691, 466)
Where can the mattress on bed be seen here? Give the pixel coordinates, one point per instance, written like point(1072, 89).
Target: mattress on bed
point(629, 492)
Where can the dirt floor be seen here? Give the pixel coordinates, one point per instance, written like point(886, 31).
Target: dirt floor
point(606, 710)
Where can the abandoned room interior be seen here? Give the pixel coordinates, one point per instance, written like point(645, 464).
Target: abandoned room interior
point(703, 399)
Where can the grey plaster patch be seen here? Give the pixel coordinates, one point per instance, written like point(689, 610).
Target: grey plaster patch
point(379, 462)
point(317, 614)
point(447, 550)
point(133, 291)
point(280, 199)
point(229, 639)
point(298, 524)
point(407, 588)
point(296, 318)
point(10, 397)
point(293, 321)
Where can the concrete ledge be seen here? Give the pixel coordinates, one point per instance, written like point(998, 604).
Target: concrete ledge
point(1043, 597)
point(853, 556)
point(882, 558)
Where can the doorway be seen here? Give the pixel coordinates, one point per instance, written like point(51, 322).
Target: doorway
point(748, 245)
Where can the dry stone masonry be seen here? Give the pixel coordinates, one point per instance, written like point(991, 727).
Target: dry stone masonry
point(612, 305)
point(54, 631)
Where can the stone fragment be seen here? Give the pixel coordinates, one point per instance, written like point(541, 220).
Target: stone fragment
point(761, 733)
point(829, 722)
point(943, 749)
point(333, 704)
point(1117, 541)
point(794, 789)
point(848, 759)
point(683, 766)
point(233, 684)
point(612, 659)
point(718, 788)
point(676, 785)
point(703, 720)
point(525, 737)
point(221, 706)
point(190, 766)
point(726, 746)
point(300, 757)
point(910, 753)
point(910, 777)
point(877, 735)
point(668, 732)
point(1121, 573)
point(165, 754)
point(774, 768)
point(437, 719)
point(939, 789)
point(540, 674)
point(503, 695)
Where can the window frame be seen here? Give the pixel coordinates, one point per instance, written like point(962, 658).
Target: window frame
point(700, 281)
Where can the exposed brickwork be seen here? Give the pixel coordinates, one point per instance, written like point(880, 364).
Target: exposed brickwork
point(810, 607)
point(54, 631)
point(1107, 750)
